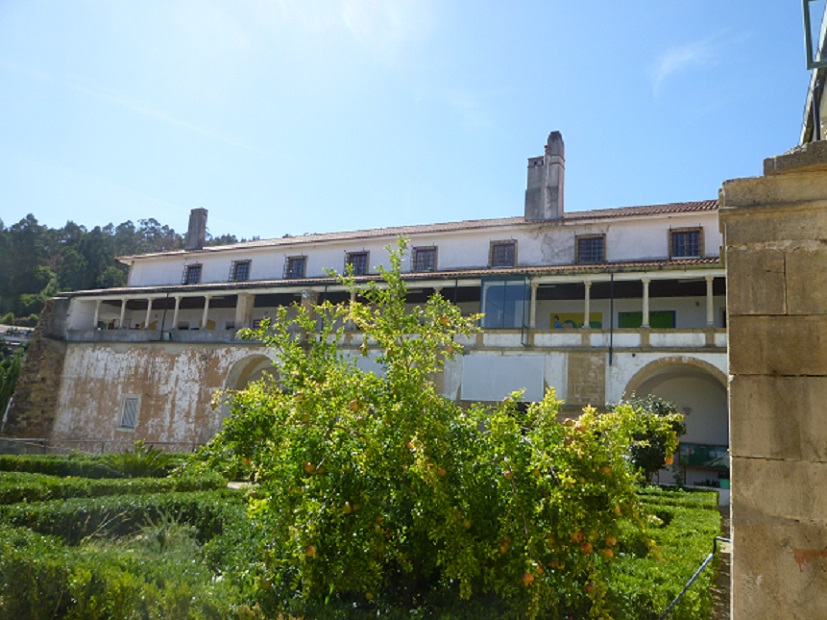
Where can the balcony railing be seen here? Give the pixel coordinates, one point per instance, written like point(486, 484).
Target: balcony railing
point(699, 338)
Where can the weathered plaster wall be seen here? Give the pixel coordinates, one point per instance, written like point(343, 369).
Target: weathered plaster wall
point(775, 230)
point(175, 384)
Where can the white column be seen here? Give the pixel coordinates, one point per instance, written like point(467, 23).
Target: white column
point(97, 314)
point(532, 313)
point(148, 311)
point(175, 313)
point(587, 305)
point(645, 321)
point(206, 311)
point(710, 309)
point(123, 313)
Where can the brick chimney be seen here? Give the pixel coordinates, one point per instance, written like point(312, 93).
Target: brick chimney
point(197, 230)
point(544, 189)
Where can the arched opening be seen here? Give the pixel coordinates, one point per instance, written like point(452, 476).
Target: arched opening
point(699, 391)
point(247, 370)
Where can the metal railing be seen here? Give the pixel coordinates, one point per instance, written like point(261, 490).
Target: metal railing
point(695, 576)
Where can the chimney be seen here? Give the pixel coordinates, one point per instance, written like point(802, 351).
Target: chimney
point(544, 189)
point(197, 230)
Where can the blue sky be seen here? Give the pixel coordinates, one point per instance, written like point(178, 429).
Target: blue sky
point(294, 116)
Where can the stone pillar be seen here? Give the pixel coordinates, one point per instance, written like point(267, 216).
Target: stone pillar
point(244, 310)
point(532, 313)
point(710, 307)
point(645, 319)
point(587, 305)
point(148, 312)
point(123, 313)
point(775, 235)
point(97, 314)
point(175, 313)
point(206, 312)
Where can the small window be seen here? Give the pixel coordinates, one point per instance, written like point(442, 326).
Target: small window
point(503, 254)
point(591, 249)
point(685, 243)
point(240, 271)
point(129, 412)
point(424, 259)
point(294, 267)
point(359, 262)
point(192, 274)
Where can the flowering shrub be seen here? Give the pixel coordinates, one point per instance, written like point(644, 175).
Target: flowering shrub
point(378, 491)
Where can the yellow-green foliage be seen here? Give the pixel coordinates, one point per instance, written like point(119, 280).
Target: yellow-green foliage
point(377, 490)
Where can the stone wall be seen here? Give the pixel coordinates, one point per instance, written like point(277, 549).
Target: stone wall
point(775, 231)
point(33, 409)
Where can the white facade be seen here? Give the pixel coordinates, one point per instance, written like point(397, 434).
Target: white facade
point(595, 304)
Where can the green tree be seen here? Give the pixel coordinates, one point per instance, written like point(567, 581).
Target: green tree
point(377, 491)
point(657, 440)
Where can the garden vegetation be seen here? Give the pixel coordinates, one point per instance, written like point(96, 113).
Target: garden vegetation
point(370, 495)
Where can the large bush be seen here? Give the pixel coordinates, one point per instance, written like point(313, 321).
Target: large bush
point(376, 491)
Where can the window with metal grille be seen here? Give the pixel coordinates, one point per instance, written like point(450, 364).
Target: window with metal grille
point(591, 249)
point(424, 259)
point(192, 274)
point(503, 254)
point(294, 267)
point(685, 243)
point(240, 271)
point(359, 262)
point(129, 412)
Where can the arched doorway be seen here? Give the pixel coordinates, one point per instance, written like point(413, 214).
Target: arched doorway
point(249, 369)
point(699, 391)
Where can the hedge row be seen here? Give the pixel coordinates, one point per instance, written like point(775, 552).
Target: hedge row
point(79, 465)
point(41, 578)
point(118, 515)
point(684, 529)
point(28, 487)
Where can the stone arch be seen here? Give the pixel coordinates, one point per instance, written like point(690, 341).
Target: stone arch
point(249, 369)
point(699, 389)
point(653, 368)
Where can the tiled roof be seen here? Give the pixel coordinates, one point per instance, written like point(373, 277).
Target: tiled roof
point(396, 231)
point(624, 267)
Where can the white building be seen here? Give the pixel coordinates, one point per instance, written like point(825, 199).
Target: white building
point(598, 304)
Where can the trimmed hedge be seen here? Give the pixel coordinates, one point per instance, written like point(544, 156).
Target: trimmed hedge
point(82, 465)
point(28, 487)
point(119, 515)
point(58, 465)
point(644, 584)
point(40, 578)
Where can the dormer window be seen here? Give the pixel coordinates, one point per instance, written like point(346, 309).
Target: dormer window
point(590, 249)
point(685, 242)
point(192, 274)
point(503, 254)
point(358, 261)
point(240, 271)
point(294, 267)
point(424, 259)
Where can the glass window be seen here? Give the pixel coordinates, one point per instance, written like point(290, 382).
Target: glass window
point(192, 274)
point(359, 262)
point(424, 259)
point(686, 243)
point(591, 249)
point(294, 267)
point(503, 253)
point(129, 412)
point(241, 271)
point(505, 303)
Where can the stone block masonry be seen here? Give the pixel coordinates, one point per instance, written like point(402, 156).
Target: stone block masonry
point(775, 235)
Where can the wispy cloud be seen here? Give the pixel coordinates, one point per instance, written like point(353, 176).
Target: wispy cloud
point(684, 58)
point(129, 104)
